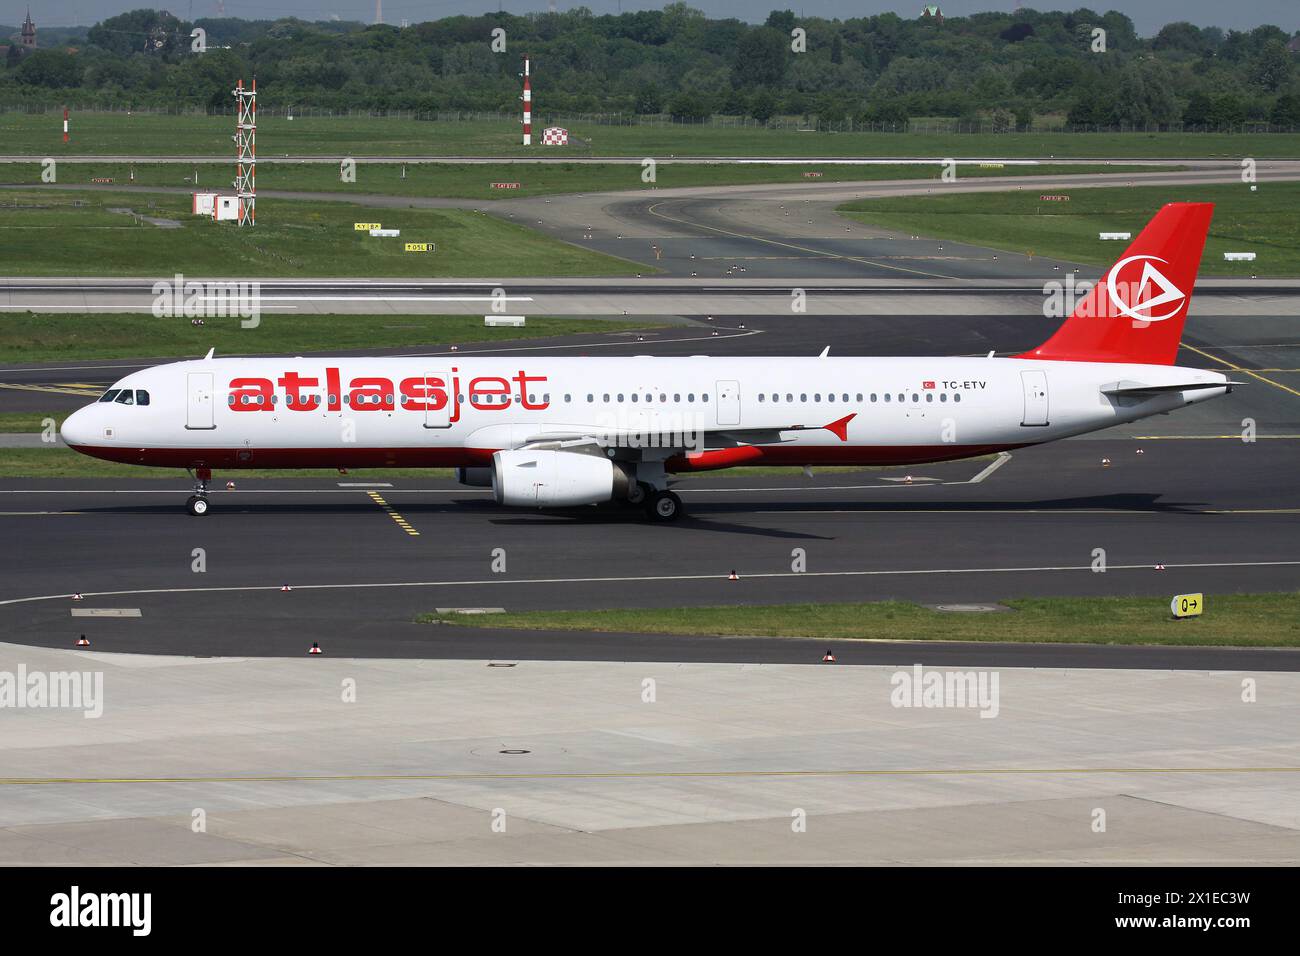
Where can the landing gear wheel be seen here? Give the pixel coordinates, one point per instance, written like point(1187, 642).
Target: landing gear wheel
point(636, 494)
point(663, 506)
point(197, 505)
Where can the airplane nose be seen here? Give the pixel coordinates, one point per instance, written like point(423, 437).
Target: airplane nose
point(75, 429)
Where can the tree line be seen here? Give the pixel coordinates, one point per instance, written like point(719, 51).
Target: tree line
point(1085, 68)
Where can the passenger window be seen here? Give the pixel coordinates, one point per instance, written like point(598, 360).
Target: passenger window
point(956, 398)
point(943, 397)
point(110, 395)
point(873, 397)
point(888, 397)
point(126, 397)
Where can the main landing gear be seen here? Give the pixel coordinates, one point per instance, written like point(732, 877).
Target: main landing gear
point(198, 502)
point(663, 506)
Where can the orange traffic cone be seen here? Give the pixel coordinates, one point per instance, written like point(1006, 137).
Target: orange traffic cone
point(828, 658)
point(315, 648)
point(1159, 567)
point(77, 597)
point(733, 576)
point(82, 641)
point(230, 486)
point(285, 587)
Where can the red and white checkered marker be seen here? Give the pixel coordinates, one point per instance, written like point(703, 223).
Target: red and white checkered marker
point(315, 648)
point(555, 136)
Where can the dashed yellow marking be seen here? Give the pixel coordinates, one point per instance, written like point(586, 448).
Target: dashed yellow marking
point(88, 393)
point(397, 518)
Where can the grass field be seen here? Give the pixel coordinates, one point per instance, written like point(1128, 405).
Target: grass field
point(75, 233)
point(1264, 222)
point(42, 336)
point(1263, 620)
point(143, 134)
point(475, 182)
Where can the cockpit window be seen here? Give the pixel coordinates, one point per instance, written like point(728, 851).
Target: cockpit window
point(109, 395)
point(125, 397)
point(141, 397)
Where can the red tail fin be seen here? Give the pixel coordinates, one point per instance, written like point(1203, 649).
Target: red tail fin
point(1136, 312)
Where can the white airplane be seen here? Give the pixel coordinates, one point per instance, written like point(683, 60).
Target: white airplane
point(558, 432)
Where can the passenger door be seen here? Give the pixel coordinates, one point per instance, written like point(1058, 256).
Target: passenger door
point(200, 414)
point(1035, 386)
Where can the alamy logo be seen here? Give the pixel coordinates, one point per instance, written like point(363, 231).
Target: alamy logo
point(74, 908)
point(1140, 297)
point(73, 690)
point(939, 688)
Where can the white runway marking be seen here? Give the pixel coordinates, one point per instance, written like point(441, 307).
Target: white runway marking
point(641, 579)
point(105, 612)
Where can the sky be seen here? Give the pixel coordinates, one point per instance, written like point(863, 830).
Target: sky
point(1148, 15)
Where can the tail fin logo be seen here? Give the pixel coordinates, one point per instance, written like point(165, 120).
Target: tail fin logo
point(1140, 297)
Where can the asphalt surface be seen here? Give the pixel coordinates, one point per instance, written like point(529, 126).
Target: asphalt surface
point(1221, 514)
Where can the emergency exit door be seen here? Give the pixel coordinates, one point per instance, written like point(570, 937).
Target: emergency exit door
point(728, 403)
point(200, 411)
point(1035, 386)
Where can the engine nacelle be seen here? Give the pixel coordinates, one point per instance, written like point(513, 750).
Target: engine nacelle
point(554, 479)
point(475, 477)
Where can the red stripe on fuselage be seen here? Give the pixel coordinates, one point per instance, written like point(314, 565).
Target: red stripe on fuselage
point(236, 458)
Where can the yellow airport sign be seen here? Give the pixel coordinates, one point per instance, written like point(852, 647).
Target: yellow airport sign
point(1187, 605)
point(419, 247)
point(366, 226)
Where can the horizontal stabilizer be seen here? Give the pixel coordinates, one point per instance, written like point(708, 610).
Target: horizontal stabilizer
point(1136, 388)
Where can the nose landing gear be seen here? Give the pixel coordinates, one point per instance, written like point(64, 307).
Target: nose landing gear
point(197, 504)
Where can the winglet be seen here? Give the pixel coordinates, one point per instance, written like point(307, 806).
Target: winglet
point(840, 429)
point(825, 352)
point(211, 352)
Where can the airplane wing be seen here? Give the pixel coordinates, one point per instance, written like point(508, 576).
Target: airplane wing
point(720, 436)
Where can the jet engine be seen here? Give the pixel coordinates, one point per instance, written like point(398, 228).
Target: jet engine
point(555, 479)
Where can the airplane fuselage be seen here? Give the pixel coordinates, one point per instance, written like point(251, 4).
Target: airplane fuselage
point(231, 413)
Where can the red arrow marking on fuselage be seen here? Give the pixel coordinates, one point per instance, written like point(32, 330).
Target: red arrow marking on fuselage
point(840, 429)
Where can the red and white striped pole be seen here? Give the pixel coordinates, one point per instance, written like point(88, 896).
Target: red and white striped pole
point(65, 124)
point(528, 107)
